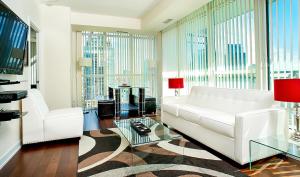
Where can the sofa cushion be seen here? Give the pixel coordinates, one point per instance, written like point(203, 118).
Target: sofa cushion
point(232, 101)
point(171, 108)
point(214, 120)
point(220, 122)
point(189, 113)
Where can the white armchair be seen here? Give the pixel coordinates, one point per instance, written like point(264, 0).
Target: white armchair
point(40, 124)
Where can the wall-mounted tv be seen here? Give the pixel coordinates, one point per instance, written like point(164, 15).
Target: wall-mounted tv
point(13, 41)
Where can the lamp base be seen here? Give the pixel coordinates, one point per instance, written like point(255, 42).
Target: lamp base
point(296, 136)
point(176, 92)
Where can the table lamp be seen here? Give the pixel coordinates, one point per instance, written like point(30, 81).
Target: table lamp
point(176, 83)
point(288, 90)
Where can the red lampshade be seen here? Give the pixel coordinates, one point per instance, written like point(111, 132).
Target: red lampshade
point(176, 83)
point(287, 90)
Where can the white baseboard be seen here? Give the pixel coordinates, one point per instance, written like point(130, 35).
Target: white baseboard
point(9, 154)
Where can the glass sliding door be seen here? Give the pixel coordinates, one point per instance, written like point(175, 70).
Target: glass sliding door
point(93, 72)
point(116, 58)
point(284, 38)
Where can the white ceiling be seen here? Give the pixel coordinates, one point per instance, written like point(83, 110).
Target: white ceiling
point(123, 8)
point(150, 13)
point(169, 9)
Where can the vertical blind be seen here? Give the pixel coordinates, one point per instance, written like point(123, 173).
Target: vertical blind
point(117, 58)
point(213, 46)
point(247, 44)
point(234, 43)
point(170, 59)
point(192, 47)
point(284, 41)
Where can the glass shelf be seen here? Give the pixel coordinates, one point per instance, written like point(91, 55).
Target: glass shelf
point(269, 146)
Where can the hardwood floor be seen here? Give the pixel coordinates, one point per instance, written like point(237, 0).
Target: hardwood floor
point(57, 158)
point(50, 159)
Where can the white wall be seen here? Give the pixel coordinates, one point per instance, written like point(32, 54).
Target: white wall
point(55, 68)
point(54, 24)
point(10, 131)
point(104, 21)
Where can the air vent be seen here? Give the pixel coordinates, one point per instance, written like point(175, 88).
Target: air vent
point(49, 1)
point(122, 32)
point(168, 21)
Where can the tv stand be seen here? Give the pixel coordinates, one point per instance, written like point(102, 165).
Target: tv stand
point(9, 96)
point(8, 82)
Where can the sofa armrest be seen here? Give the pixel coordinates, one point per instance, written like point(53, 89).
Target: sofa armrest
point(174, 99)
point(67, 112)
point(61, 124)
point(255, 125)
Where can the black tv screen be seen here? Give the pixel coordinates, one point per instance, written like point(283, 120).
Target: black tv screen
point(13, 41)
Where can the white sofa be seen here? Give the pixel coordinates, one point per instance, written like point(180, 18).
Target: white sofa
point(40, 124)
point(226, 119)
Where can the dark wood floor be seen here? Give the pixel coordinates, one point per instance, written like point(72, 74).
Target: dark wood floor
point(50, 159)
point(59, 158)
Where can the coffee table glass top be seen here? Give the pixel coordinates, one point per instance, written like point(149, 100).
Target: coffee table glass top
point(158, 132)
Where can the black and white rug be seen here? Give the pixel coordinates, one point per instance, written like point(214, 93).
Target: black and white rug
point(106, 153)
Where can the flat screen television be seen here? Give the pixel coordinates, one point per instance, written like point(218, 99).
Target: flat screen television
point(13, 41)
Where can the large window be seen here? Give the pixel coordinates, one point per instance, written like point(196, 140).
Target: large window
point(214, 45)
point(246, 44)
point(284, 41)
point(116, 58)
point(185, 51)
point(234, 46)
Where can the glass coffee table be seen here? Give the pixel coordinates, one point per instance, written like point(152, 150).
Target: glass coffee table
point(143, 146)
point(273, 145)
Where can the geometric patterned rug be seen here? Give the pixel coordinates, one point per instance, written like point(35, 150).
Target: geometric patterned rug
point(276, 166)
point(106, 153)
